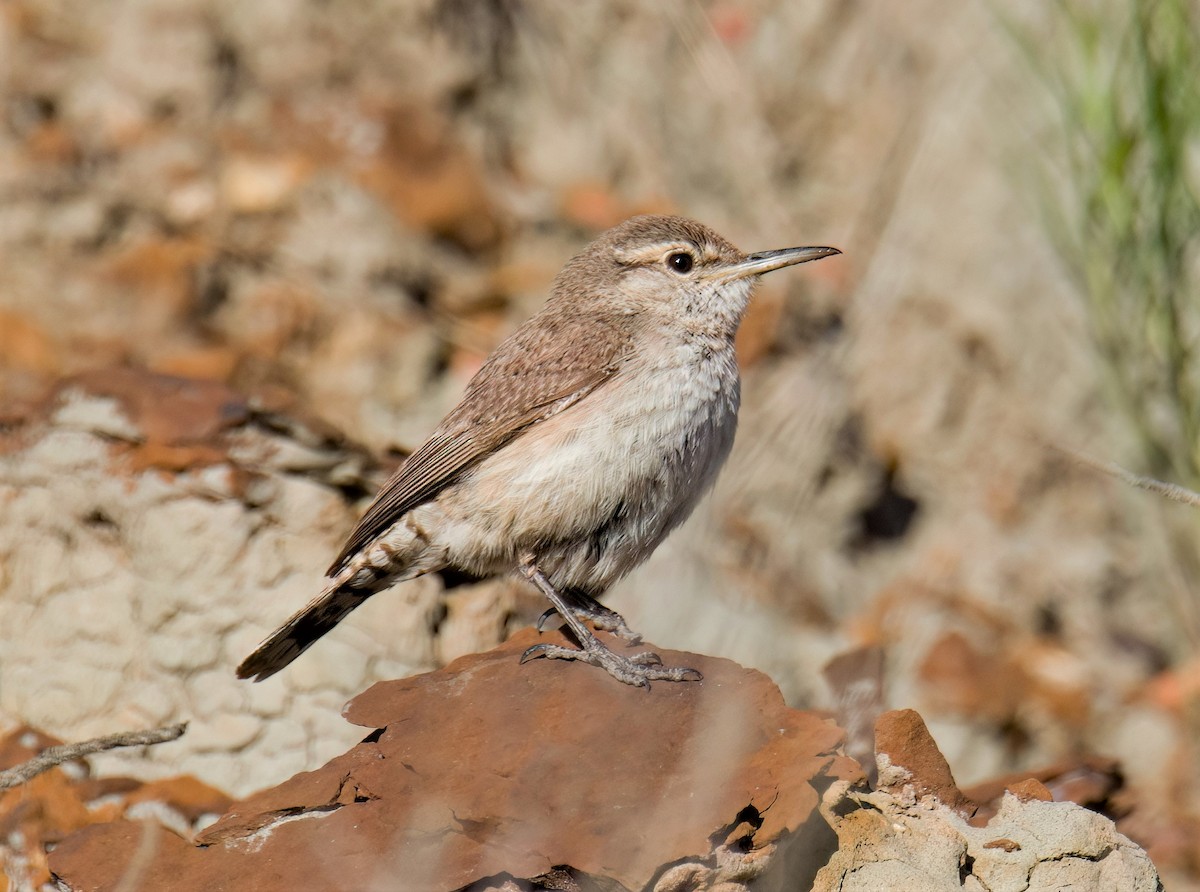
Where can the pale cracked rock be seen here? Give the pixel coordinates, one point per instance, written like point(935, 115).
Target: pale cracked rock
point(186, 641)
point(886, 844)
point(225, 732)
point(335, 661)
point(154, 530)
point(494, 773)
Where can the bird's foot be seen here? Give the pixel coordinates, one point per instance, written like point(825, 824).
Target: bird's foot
point(598, 615)
point(638, 670)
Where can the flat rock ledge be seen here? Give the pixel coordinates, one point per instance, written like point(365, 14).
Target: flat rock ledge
point(491, 775)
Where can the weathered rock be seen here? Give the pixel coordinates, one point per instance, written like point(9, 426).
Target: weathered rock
point(885, 844)
point(490, 769)
point(918, 831)
point(154, 530)
point(492, 775)
point(910, 765)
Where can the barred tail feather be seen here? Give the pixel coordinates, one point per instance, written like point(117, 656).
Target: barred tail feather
point(298, 633)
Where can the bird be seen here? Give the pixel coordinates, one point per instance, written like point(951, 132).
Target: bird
point(584, 439)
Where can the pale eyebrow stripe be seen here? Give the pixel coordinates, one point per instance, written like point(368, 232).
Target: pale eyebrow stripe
point(654, 253)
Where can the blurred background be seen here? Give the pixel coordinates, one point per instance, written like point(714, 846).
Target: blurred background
point(250, 253)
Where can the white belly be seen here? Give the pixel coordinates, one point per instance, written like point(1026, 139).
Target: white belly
point(592, 491)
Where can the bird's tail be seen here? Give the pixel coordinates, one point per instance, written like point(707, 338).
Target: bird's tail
point(298, 633)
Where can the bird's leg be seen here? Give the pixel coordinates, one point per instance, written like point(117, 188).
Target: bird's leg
point(638, 670)
point(588, 609)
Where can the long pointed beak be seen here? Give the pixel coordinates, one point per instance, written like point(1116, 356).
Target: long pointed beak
point(765, 261)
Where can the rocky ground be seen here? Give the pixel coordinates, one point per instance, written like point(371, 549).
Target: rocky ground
point(558, 779)
point(250, 253)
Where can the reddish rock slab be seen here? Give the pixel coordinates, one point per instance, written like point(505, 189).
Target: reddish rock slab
point(489, 768)
point(911, 767)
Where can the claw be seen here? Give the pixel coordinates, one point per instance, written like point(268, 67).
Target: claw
point(532, 653)
point(541, 623)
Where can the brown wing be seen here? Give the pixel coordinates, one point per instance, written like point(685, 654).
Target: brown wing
point(508, 395)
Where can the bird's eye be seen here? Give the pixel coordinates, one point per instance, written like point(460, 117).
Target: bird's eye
point(681, 262)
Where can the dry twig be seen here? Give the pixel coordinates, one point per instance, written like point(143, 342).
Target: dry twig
point(1167, 490)
point(56, 755)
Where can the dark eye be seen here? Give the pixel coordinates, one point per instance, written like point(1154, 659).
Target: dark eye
point(681, 262)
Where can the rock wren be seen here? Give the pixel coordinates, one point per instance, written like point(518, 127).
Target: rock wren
point(586, 437)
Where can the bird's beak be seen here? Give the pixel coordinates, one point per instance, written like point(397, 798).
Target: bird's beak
point(765, 261)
